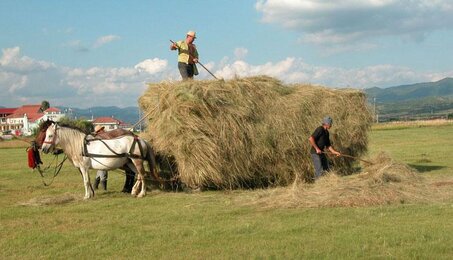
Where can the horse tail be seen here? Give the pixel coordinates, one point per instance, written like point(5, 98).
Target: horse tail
point(151, 159)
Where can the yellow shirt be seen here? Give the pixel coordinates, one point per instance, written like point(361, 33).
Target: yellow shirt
point(186, 53)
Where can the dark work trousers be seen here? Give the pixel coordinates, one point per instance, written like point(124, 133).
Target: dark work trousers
point(321, 164)
point(186, 70)
point(130, 181)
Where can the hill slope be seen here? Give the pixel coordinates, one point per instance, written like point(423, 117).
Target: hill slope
point(441, 88)
point(429, 99)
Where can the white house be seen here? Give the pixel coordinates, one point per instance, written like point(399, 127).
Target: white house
point(54, 114)
point(27, 117)
point(4, 113)
point(110, 123)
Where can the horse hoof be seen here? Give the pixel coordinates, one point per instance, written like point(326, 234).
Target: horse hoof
point(141, 195)
point(134, 192)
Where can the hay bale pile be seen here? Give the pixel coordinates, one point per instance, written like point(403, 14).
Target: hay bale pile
point(250, 132)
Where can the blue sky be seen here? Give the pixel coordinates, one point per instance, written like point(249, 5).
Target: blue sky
point(101, 53)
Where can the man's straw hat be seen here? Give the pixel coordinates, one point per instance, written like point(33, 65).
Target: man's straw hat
point(98, 128)
point(191, 33)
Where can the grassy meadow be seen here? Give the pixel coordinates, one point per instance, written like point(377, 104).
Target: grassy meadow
point(54, 222)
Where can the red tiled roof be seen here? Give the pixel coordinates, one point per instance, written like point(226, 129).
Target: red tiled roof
point(52, 109)
point(26, 109)
point(34, 116)
point(7, 110)
point(107, 120)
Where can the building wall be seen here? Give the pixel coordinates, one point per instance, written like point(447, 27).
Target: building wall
point(54, 116)
point(26, 126)
point(108, 126)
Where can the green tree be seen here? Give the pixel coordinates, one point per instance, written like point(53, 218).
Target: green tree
point(84, 125)
point(44, 105)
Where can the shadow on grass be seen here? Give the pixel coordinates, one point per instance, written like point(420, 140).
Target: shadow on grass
point(426, 168)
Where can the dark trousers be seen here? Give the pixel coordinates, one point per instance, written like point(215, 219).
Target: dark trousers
point(130, 180)
point(320, 163)
point(186, 70)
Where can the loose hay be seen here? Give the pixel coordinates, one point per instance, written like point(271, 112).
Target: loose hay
point(250, 132)
point(384, 182)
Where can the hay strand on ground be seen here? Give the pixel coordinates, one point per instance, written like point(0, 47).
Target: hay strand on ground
point(384, 182)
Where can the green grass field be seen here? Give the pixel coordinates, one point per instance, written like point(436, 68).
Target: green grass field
point(214, 225)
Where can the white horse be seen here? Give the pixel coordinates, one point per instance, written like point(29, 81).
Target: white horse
point(88, 152)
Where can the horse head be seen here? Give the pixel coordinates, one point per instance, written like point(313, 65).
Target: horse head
point(41, 134)
point(50, 138)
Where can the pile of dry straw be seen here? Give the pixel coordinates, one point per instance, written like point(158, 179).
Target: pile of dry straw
point(250, 132)
point(383, 182)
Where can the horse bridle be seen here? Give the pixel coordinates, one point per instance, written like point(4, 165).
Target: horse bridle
point(54, 137)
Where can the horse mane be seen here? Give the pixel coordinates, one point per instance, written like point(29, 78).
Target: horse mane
point(71, 140)
point(71, 126)
point(44, 125)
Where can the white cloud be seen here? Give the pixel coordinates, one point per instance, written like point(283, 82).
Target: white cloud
point(349, 21)
point(293, 70)
point(23, 79)
point(152, 66)
point(12, 81)
point(240, 53)
point(11, 61)
point(78, 46)
point(104, 40)
point(243, 69)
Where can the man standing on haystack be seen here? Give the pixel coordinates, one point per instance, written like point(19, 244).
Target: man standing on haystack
point(319, 141)
point(187, 56)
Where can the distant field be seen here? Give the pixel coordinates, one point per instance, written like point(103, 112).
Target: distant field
point(53, 222)
point(424, 145)
point(408, 124)
point(15, 143)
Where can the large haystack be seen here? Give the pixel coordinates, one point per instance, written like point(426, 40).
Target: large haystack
point(250, 132)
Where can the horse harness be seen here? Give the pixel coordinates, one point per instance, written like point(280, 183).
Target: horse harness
point(36, 161)
point(89, 138)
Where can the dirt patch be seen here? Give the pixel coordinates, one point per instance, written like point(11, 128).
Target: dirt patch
point(51, 200)
point(15, 143)
point(443, 183)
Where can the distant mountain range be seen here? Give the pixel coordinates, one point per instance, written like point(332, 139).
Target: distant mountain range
point(429, 99)
point(128, 114)
point(441, 88)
